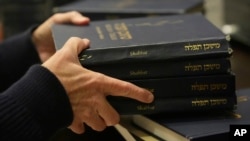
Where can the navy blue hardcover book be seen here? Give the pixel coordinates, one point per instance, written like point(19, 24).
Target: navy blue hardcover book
point(113, 9)
point(199, 126)
point(172, 105)
point(206, 85)
point(146, 39)
point(158, 69)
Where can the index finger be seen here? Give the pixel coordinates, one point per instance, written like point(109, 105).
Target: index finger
point(116, 87)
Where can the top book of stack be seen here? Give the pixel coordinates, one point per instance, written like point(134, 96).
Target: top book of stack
point(116, 9)
point(177, 37)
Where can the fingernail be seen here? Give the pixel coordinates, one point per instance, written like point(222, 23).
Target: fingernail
point(150, 97)
point(87, 41)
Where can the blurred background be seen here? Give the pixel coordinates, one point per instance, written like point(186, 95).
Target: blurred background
point(231, 16)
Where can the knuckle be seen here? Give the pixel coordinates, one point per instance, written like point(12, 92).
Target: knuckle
point(74, 12)
point(87, 114)
point(56, 16)
point(100, 78)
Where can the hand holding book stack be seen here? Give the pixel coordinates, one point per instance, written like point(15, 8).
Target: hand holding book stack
point(182, 59)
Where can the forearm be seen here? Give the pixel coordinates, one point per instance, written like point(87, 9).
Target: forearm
point(34, 107)
point(17, 54)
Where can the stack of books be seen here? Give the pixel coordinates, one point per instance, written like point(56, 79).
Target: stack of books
point(221, 126)
point(183, 59)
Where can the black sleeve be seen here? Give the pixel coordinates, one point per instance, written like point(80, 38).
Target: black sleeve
point(17, 54)
point(34, 107)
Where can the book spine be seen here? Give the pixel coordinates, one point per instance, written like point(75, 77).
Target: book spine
point(189, 85)
point(157, 69)
point(125, 106)
point(162, 51)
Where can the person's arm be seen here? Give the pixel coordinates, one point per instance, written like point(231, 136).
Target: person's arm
point(40, 96)
point(35, 45)
point(17, 54)
point(34, 107)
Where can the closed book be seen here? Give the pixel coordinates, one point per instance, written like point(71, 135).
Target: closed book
point(126, 106)
point(189, 85)
point(159, 69)
point(198, 126)
point(146, 39)
point(113, 9)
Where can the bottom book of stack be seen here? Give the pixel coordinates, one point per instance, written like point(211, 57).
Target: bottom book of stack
point(181, 94)
point(197, 126)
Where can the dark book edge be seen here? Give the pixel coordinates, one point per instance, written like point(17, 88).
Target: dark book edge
point(157, 69)
point(168, 51)
point(190, 85)
point(129, 10)
point(125, 106)
point(181, 47)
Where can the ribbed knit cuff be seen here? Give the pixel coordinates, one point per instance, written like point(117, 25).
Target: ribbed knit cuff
point(41, 93)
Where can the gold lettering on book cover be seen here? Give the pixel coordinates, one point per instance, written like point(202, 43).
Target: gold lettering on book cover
point(211, 46)
point(200, 103)
point(118, 31)
point(138, 53)
point(193, 68)
point(193, 47)
point(111, 32)
point(219, 86)
point(199, 87)
point(145, 107)
point(215, 102)
point(201, 47)
point(209, 87)
point(99, 32)
point(138, 72)
point(209, 102)
point(199, 67)
point(208, 67)
point(122, 31)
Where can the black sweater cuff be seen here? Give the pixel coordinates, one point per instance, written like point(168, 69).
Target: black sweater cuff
point(17, 54)
point(41, 95)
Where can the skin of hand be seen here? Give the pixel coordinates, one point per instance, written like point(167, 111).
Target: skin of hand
point(42, 36)
point(87, 90)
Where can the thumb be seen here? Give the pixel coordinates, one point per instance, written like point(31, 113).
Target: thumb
point(76, 44)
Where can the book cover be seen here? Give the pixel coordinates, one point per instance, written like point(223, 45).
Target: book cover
point(197, 127)
point(189, 85)
point(125, 106)
point(159, 69)
point(114, 9)
point(146, 39)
